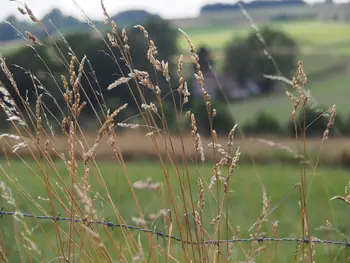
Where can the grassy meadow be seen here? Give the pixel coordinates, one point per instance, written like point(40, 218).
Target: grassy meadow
point(316, 34)
point(333, 88)
point(184, 185)
point(244, 204)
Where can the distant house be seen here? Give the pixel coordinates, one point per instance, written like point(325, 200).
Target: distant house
point(216, 85)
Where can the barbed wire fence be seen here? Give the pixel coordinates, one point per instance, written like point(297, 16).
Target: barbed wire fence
point(344, 243)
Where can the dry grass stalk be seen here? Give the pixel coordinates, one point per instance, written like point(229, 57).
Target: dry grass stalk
point(160, 213)
point(300, 79)
point(330, 123)
point(226, 159)
point(140, 254)
point(147, 184)
point(291, 96)
point(346, 197)
point(197, 219)
point(85, 185)
point(26, 233)
point(76, 90)
point(198, 74)
point(214, 136)
point(118, 82)
point(296, 105)
point(3, 256)
point(125, 41)
point(306, 98)
point(201, 201)
point(139, 221)
point(72, 149)
point(124, 36)
point(274, 228)
point(275, 145)
point(18, 146)
point(128, 125)
point(93, 234)
point(114, 28)
point(65, 125)
point(143, 77)
point(182, 88)
point(46, 147)
point(87, 202)
point(197, 138)
point(11, 136)
point(152, 52)
point(107, 19)
point(9, 106)
point(151, 107)
point(102, 132)
point(72, 73)
point(180, 69)
point(215, 220)
point(263, 216)
point(112, 40)
point(21, 10)
point(38, 119)
point(30, 14)
point(33, 38)
point(232, 167)
point(81, 107)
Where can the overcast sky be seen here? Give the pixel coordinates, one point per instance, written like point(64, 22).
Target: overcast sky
point(166, 8)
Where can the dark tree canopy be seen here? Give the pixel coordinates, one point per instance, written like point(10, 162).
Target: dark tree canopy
point(104, 66)
point(251, 5)
point(249, 58)
point(205, 59)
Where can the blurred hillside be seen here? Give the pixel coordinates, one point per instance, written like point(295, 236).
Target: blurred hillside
point(210, 15)
point(318, 35)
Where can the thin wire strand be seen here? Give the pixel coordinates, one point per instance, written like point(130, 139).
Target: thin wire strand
point(161, 234)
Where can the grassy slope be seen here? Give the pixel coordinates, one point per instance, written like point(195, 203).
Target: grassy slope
point(332, 90)
point(306, 32)
point(245, 202)
point(6, 48)
point(323, 46)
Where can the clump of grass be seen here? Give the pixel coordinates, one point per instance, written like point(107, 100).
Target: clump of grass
point(195, 214)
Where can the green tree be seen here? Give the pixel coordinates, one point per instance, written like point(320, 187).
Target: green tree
point(222, 123)
point(249, 58)
point(103, 67)
point(264, 124)
point(314, 121)
point(206, 60)
point(161, 33)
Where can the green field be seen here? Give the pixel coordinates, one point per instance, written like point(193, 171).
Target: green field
point(326, 92)
point(316, 33)
point(9, 47)
point(245, 203)
point(321, 44)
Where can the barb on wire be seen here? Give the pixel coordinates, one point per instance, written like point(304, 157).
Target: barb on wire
point(161, 234)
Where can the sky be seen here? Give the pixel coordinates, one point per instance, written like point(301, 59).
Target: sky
point(165, 8)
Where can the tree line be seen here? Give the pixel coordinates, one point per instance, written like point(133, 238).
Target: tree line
point(43, 65)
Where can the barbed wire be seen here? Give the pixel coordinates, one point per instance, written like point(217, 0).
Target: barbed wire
point(161, 234)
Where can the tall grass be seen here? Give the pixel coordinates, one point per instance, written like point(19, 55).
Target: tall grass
point(185, 206)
